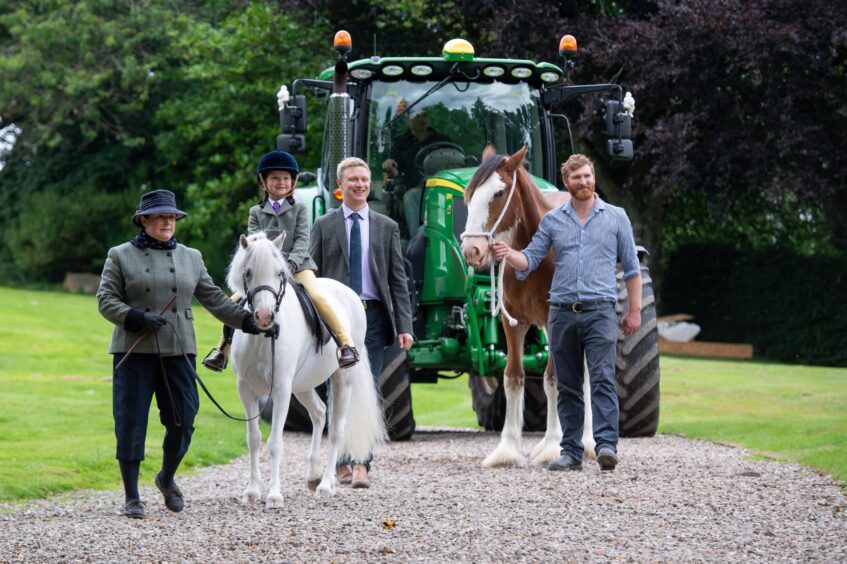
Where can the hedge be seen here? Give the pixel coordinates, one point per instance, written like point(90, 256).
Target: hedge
point(792, 308)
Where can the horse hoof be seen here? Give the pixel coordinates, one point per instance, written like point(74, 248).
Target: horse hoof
point(273, 502)
point(249, 498)
point(544, 453)
point(313, 484)
point(502, 456)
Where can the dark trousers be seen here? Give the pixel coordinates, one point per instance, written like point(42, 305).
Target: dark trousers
point(592, 335)
point(133, 388)
point(377, 337)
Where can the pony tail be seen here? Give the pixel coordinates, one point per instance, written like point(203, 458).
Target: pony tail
point(365, 425)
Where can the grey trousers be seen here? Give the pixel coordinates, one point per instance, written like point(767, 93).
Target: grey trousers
point(592, 335)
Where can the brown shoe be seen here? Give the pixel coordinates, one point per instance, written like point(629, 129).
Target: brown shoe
point(360, 476)
point(347, 356)
point(216, 360)
point(344, 473)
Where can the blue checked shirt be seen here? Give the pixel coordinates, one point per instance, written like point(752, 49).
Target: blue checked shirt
point(585, 255)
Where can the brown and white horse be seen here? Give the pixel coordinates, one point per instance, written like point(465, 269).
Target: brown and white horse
point(505, 204)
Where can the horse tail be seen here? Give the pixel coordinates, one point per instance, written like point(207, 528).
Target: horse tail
point(365, 428)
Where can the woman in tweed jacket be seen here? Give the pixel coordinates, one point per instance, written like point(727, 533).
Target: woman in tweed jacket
point(139, 279)
point(277, 213)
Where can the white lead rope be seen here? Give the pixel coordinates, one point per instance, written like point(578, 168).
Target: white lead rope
point(497, 303)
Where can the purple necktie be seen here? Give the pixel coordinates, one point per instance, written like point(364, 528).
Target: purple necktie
point(276, 208)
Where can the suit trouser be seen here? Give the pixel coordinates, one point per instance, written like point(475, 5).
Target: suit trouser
point(591, 335)
point(378, 334)
point(133, 386)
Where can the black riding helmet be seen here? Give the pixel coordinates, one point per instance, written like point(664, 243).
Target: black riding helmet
point(278, 160)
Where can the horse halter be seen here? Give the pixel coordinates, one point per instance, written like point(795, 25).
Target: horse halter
point(278, 294)
point(497, 304)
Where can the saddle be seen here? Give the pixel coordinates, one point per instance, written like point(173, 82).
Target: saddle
point(313, 319)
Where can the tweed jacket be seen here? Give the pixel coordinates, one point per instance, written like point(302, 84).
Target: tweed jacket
point(294, 220)
point(147, 279)
point(330, 249)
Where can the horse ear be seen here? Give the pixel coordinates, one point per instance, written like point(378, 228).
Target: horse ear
point(243, 241)
point(516, 160)
point(280, 239)
point(489, 151)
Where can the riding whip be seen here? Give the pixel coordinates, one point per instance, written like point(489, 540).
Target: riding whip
point(141, 338)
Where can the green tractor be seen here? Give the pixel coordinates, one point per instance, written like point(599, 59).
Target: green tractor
point(421, 124)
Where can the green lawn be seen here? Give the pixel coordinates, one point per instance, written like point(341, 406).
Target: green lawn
point(56, 423)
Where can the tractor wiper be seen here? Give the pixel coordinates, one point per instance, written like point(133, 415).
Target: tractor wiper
point(454, 71)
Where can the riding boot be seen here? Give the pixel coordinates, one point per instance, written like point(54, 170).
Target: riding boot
point(347, 354)
point(218, 357)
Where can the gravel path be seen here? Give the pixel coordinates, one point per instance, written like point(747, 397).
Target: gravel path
point(670, 499)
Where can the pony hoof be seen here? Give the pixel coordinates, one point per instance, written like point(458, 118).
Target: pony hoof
point(273, 502)
point(324, 492)
point(249, 497)
point(313, 484)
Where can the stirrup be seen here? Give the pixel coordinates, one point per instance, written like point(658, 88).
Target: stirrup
point(348, 362)
point(216, 360)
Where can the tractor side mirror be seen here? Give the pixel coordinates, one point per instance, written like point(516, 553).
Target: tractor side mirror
point(618, 122)
point(619, 130)
point(292, 117)
point(291, 142)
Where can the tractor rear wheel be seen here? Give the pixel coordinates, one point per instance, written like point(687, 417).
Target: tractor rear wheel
point(396, 390)
point(637, 365)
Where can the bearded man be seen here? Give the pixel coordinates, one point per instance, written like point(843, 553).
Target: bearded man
point(588, 237)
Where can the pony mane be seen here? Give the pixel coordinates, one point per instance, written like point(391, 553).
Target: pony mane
point(263, 258)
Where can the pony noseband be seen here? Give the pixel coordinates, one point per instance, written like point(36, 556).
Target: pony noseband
point(277, 294)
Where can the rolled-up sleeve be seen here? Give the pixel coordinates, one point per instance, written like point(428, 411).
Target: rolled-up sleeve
point(537, 249)
point(627, 254)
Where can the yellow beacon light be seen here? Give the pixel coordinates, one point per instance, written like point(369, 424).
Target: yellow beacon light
point(457, 50)
point(342, 42)
point(567, 46)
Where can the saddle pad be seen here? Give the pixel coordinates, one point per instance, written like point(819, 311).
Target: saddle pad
point(313, 320)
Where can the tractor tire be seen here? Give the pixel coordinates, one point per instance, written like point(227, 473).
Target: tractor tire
point(637, 365)
point(396, 388)
point(489, 402)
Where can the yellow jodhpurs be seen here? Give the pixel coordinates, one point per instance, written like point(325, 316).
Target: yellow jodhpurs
point(310, 283)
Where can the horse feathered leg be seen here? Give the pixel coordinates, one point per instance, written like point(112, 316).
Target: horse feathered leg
point(508, 451)
point(548, 448)
point(588, 423)
point(317, 413)
point(282, 399)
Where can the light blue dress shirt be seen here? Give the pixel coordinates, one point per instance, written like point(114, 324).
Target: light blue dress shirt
point(370, 291)
point(585, 255)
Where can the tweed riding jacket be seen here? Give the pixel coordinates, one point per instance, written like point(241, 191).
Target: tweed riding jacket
point(146, 279)
point(294, 220)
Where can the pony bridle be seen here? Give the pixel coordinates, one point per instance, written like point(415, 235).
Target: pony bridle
point(497, 304)
point(278, 294)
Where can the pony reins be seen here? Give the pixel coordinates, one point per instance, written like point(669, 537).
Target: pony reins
point(498, 303)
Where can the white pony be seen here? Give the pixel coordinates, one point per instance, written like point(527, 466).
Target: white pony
point(294, 366)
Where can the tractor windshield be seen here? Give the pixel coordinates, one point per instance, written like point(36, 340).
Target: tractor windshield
point(448, 129)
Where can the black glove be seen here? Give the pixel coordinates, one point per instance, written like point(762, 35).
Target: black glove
point(292, 267)
point(249, 325)
point(152, 321)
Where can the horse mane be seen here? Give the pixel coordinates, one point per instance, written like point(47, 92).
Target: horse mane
point(261, 255)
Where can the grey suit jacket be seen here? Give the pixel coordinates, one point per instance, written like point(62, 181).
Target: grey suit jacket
point(294, 220)
point(330, 250)
point(147, 279)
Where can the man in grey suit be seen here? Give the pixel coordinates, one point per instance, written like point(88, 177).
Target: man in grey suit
point(361, 248)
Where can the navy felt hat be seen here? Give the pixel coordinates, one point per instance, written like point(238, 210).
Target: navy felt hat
point(157, 201)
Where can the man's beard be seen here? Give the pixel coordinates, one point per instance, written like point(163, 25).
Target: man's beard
point(582, 194)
